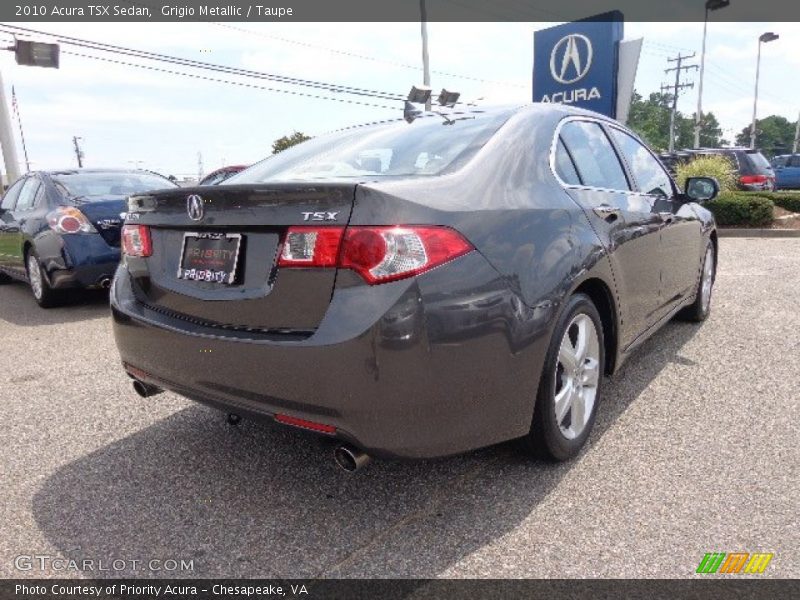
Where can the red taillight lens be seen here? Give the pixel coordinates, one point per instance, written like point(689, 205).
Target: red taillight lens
point(136, 240)
point(753, 179)
point(311, 247)
point(381, 254)
point(68, 219)
point(378, 254)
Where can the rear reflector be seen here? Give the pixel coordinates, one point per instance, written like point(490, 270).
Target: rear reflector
point(136, 240)
point(302, 423)
point(378, 254)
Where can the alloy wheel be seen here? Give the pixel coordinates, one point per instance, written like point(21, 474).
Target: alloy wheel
point(708, 278)
point(35, 276)
point(577, 376)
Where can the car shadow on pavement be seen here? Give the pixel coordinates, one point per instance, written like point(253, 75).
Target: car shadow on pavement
point(18, 307)
point(264, 501)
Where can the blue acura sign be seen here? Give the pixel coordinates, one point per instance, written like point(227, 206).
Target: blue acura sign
point(576, 63)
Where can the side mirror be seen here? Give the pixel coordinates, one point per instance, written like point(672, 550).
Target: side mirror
point(701, 189)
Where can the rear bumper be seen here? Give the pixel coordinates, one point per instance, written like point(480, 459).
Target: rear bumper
point(373, 369)
point(78, 261)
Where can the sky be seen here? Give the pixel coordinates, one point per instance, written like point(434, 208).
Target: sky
point(133, 117)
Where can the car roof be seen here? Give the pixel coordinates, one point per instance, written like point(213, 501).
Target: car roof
point(73, 171)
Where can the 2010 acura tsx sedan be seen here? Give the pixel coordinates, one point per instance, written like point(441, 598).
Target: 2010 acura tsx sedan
point(417, 290)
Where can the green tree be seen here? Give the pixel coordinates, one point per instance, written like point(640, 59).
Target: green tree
point(774, 135)
point(288, 141)
point(650, 119)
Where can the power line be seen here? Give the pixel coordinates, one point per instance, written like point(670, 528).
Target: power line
point(98, 46)
point(226, 81)
point(362, 56)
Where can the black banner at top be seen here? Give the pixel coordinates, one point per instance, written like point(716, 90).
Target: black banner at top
point(389, 10)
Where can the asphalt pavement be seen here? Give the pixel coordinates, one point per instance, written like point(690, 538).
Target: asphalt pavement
point(695, 450)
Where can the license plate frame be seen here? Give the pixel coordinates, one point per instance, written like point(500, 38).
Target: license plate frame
point(197, 274)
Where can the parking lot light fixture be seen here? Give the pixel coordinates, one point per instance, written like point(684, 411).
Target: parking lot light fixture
point(711, 5)
point(448, 98)
point(769, 36)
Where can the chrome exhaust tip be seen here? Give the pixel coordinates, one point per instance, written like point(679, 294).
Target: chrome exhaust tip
point(145, 390)
point(105, 283)
point(350, 459)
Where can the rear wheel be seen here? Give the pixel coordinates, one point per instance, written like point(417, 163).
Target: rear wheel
point(701, 307)
point(45, 296)
point(5, 278)
point(569, 389)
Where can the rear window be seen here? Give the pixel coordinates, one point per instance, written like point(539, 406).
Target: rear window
point(94, 185)
point(758, 161)
point(428, 146)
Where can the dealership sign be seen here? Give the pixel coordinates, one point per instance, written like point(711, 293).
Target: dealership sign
point(577, 63)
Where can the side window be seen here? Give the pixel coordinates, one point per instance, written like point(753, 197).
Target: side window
point(795, 161)
point(28, 194)
point(11, 195)
point(594, 156)
point(780, 161)
point(646, 170)
point(564, 166)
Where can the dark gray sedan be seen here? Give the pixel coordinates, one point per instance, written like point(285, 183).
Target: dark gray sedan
point(417, 290)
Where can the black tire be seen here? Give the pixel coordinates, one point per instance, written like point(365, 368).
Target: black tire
point(47, 297)
point(699, 310)
point(546, 438)
point(5, 278)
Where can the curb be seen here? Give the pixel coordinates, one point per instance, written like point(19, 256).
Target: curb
point(759, 233)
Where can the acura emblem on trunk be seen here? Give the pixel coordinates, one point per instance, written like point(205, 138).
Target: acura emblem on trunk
point(194, 207)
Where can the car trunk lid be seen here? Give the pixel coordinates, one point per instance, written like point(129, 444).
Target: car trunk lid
point(106, 214)
point(250, 222)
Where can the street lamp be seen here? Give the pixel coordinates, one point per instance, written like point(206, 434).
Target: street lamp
point(763, 38)
point(711, 5)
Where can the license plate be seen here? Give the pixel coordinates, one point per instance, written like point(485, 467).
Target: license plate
point(209, 257)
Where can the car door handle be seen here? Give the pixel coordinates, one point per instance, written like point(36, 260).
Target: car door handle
point(606, 211)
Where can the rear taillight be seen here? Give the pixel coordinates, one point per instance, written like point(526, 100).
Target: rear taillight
point(753, 179)
point(136, 240)
point(311, 247)
point(378, 254)
point(68, 219)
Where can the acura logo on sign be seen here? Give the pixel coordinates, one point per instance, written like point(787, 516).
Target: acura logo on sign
point(194, 207)
point(571, 58)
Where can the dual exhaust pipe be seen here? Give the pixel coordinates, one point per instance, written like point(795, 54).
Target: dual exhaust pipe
point(347, 457)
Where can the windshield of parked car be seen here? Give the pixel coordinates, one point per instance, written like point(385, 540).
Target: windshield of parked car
point(431, 145)
point(96, 185)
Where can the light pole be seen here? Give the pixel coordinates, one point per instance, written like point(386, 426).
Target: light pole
point(426, 73)
point(698, 117)
point(763, 38)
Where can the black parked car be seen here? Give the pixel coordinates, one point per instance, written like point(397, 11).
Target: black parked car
point(61, 229)
point(417, 290)
point(753, 171)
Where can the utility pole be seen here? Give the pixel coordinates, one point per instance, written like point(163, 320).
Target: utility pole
point(7, 139)
point(426, 70)
point(15, 106)
point(796, 135)
point(676, 88)
point(200, 171)
point(78, 151)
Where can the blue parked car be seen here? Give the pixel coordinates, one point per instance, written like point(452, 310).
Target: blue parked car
point(61, 229)
point(787, 171)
